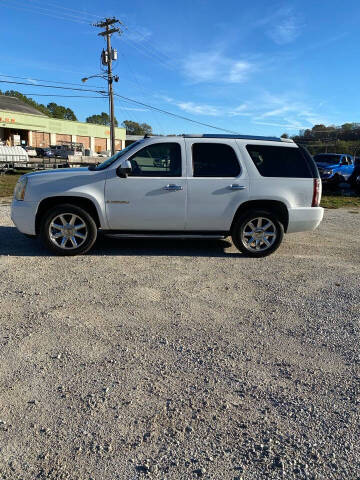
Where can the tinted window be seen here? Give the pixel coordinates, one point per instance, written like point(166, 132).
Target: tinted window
point(214, 160)
point(331, 159)
point(158, 160)
point(279, 161)
point(117, 155)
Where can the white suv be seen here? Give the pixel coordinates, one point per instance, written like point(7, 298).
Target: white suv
point(252, 188)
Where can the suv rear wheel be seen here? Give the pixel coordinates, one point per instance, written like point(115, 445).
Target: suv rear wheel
point(257, 233)
point(68, 230)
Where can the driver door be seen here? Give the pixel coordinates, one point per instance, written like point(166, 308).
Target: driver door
point(153, 196)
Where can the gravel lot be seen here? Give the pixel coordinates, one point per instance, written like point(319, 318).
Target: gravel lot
point(181, 359)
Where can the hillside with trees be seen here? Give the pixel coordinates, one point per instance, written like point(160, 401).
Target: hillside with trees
point(331, 138)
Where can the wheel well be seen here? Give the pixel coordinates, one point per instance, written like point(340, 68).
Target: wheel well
point(84, 203)
point(274, 206)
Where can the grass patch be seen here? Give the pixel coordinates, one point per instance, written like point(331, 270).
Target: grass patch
point(8, 182)
point(339, 201)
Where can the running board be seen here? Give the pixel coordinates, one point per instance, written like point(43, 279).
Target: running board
point(158, 235)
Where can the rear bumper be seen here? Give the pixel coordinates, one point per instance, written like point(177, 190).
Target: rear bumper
point(23, 215)
point(304, 219)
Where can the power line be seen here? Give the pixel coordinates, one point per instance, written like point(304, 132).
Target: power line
point(153, 53)
point(127, 99)
point(26, 9)
point(147, 48)
point(68, 9)
point(147, 54)
point(142, 37)
point(49, 81)
point(53, 86)
point(62, 96)
point(38, 9)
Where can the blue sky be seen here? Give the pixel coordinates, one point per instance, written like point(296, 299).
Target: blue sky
point(260, 67)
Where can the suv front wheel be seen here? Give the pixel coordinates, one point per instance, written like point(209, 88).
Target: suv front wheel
point(68, 230)
point(257, 233)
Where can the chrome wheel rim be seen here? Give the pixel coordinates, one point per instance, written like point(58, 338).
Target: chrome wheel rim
point(68, 231)
point(259, 234)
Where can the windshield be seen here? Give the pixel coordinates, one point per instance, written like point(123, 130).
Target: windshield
point(117, 155)
point(330, 159)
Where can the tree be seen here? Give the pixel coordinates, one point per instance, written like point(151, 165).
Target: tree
point(134, 128)
point(331, 138)
point(284, 135)
point(58, 111)
point(101, 119)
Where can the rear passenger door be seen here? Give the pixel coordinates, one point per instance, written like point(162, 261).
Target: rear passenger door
point(217, 184)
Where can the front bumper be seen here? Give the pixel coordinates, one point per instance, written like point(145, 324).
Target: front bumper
point(327, 180)
point(23, 215)
point(304, 219)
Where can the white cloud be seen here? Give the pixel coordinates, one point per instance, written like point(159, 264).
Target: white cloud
point(284, 111)
point(277, 112)
point(135, 109)
point(241, 110)
point(34, 82)
point(139, 35)
point(213, 66)
point(285, 32)
point(206, 109)
point(285, 26)
point(289, 126)
point(239, 72)
point(198, 109)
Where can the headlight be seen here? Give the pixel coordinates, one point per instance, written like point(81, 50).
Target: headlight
point(20, 187)
point(327, 172)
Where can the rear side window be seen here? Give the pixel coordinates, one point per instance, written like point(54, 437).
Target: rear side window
point(279, 161)
point(214, 160)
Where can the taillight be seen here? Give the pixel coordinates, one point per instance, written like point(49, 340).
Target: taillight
point(316, 193)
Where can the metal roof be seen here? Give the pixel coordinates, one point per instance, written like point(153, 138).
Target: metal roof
point(13, 104)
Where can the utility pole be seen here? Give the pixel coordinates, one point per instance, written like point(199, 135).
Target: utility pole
point(107, 57)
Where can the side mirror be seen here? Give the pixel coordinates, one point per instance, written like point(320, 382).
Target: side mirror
point(124, 169)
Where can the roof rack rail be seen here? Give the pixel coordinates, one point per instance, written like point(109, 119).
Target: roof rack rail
point(240, 137)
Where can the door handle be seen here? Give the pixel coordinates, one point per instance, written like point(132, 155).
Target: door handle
point(172, 187)
point(235, 186)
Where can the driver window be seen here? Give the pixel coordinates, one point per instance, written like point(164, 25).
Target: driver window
point(158, 160)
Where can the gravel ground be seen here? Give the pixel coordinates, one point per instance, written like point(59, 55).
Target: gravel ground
point(181, 359)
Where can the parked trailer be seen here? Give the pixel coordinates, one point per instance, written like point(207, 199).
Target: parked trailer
point(11, 156)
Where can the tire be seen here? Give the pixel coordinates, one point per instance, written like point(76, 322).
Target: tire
point(242, 230)
point(335, 182)
point(65, 226)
